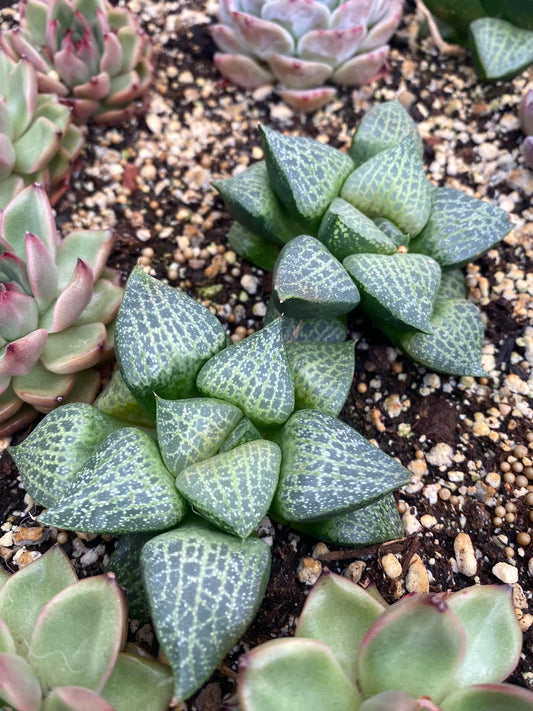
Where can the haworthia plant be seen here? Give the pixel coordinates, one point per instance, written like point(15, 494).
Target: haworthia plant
point(232, 452)
point(374, 211)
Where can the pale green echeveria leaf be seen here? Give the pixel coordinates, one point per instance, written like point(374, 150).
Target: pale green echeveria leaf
point(384, 126)
point(455, 344)
point(93, 246)
point(375, 523)
point(250, 200)
point(460, 228)
point(4, 576)
point(254, 375)
point(323, 374)
point(58, 447)
point(123, 488)
point(75, 698)
point(397, 701)
point(244, 432)
point(399, 289)
point(163, 337)
point(204, 589)
point(308, 282)
point(416, 646)
point(338, 613)
point(18, 686)
point(125, 564)
point(393, 232)
point(117, 401)
point(294, 675)
point(392, 184)
point(192, 430)
point(233, 490)
point(493, 635)
point(323, 330)
point(489, 697)
point(306, 175)
point(138, 683)
point(7, 643)
point(452, 285)
point(26, 593)
point(79, 634)
point(258, 250)
point(29, 211)
point(329, 469)
point(345, 230)
point(500, 50)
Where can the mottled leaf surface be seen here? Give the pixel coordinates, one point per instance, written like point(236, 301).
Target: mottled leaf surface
point(452, 285)
point(125, 563)
point(252, 247)
point(244, 432)
point(500, 50)
point(327, 330)
point(392, 231)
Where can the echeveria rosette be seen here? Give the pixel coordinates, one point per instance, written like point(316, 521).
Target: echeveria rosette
point(304, 43)
point(526, 122)
point(366, 228)
point(433, 652)
point(94, 56)
point(62, 644)
point(58, 303)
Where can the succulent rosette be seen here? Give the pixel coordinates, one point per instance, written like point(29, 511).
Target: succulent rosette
point(526, 122)
point(57, 306)
point(304, 43)
point(91, 54)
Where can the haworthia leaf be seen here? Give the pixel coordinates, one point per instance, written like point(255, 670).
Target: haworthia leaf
point(306, 175)
point(452, 285)
point(253, 374)
point(344, 230)
point(125, 563)
point(392, 184)
point(204, 588)
point(329, 469)
point(460, 228)
point(393, 232)
point(244, 432)
point(308, 282)
point(455, 343)
point(233, 490)
point(326, 330)
point(323, 374)
point(191, 430)
point(58, 447)
point(123, 488)
point(500, 50)
point(377, 522)
point(399, 289)
point(253, 248)
point(118, 402)
point(384, 126)
point(163, 338)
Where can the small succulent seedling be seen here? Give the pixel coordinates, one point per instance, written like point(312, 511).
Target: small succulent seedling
point(367, 229)
point(304, 43)
point(58, 303)
point(230, 446)
point(62, 644)
point(526, 122)
point(352, 652)
point(92, 55)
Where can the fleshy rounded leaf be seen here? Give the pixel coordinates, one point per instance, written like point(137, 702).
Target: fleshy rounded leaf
point(138, 683)
point(118, 402)
point(75, 698)
point(18, 686)
point(489, 697)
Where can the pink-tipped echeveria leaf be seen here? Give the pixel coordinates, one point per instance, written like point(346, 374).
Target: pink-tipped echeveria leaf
point(75, 698)
point(489, 697)
point(18, 686)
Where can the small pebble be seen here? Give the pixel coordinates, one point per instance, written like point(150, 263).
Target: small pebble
point(391, 566)
point(417, 578)
point(465, 555)
point(309, 571)
point(355, 570)
point(506, 573)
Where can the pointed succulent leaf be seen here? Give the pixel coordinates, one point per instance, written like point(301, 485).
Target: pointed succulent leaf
point(323, 374)
point(30, 211)
point(138, 683)
point(125, 563)
point(297, 18)
point(204, 588)
point(244, 432)
point(41, 388)
point(242, 70)
point(118, 402)
point(489, 697)
point(393, 232)
point(37, 146)
point(21, 96)
point(307, 100)
point(253, 374)
point(338, 613)
point(7, 644)
point(72, 300)
point(74, 349)
point(163, 338)
point(299, 74)
point(75, 698)
point(399, 289)
point(123, 488)
point(500, 50)
point(306, 175)
point(42, 272)
point(20, 356)
point(414, 646)
point(332, 46)
point(392, 184)
point(103, 304)
point(265, 37)
point(294, 675)
point(18, 686)
point(233, 490)
point(253, 248)
point(93, 246)
point(329, 469)
point(460, 228)
point(493, 635)
point(192, 430)
point(309, 282)
point(452, 285)
point(331, 330)
point(18, 315)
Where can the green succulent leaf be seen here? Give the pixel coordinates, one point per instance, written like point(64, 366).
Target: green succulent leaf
point(500, 50)
point(254, 375)
point(163, 337)
point(452, 285)
point(123, 488)
point(323, 374)
point(18, 686)
point(74, 698)
point(252, 247)
point(460, 228)
point(233, 490)
point(7, 643)
point(328, 330)
point(192, 430)
point(244, 432)
point(204, 588)
point(125, 564)
point(329, 469)
point(29, 211)
point(138, 683)
point(118, 402)
point(489, 697)
point(4, 576)
point(397, 700)
point(399, 289)
point(393, 232)
point(308, 282)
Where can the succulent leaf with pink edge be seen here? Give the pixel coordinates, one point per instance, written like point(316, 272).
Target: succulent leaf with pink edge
point(526, 122)
point(303, 43)
point(432, 652)
point(57, 308)
point(94, 56)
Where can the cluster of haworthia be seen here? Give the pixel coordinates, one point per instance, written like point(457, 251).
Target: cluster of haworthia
point(366, 229)
point(227, 432)
point(352, 652)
